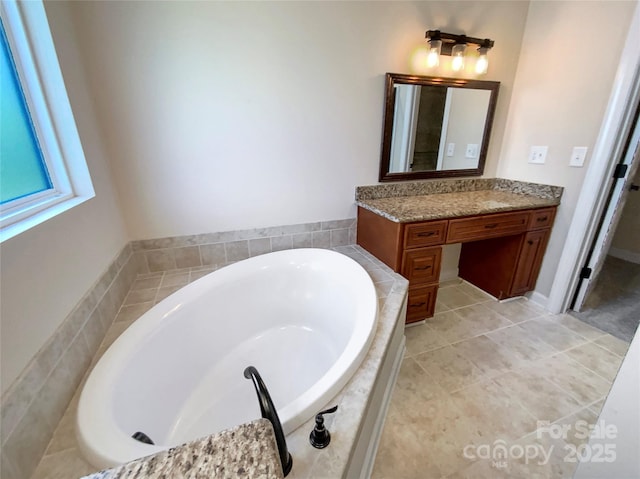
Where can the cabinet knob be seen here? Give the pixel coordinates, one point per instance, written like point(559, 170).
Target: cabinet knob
point(530, 242)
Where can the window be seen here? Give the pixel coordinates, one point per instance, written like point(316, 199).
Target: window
point(43, 171)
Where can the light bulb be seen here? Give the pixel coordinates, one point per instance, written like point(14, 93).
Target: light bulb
point(482, 63)
point(433, 58)
point(457, 56)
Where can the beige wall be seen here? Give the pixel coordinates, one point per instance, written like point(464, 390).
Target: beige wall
point(562, 87)
point(46, 270)
point(233, 115)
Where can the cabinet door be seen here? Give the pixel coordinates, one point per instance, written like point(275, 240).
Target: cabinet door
point(529, 261)
point(421, 302)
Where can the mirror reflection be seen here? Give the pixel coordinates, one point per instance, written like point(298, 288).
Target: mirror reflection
point(436, 127)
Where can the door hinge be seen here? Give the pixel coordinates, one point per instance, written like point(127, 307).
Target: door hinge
point(620, 171)
point(585, 273)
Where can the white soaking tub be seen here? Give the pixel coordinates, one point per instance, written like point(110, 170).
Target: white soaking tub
point(304, 318)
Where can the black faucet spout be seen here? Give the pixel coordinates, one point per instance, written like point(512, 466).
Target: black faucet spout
point(269, 412)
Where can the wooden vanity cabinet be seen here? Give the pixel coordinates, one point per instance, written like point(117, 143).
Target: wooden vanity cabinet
point(501, 252)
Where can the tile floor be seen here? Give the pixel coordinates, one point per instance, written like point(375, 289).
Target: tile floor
point(481, 377)
point(477, 372)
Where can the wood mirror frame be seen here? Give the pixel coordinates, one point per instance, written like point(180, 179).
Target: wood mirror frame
point(393, 79)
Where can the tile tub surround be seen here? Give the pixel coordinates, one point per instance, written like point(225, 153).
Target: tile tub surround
point(218, 249)
point(63, 460)
point(482, 371)
point(433, 187)
point(250, 449)
point(454, 198)
point(36, 401)
point(33, 405)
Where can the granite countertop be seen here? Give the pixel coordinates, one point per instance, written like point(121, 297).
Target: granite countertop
point(454, 198)
point(248, 450)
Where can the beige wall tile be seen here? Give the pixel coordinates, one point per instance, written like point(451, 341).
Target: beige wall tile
point(28, 441)
point(339, 237)
point(237, 250)
point(65, 464)
point(259, 246)
point(280, 243)
point(188, 257)
point(302, 240)
point(161, 260)
point(213, 254)
point(322, 239)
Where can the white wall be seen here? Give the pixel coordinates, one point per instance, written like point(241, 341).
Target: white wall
point(46, 270)
point(561, 90)
point(230, 115)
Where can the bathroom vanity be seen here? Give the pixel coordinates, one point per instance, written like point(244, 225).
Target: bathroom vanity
point(503, 225)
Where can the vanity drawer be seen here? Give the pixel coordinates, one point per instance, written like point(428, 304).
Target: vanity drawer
point(422, 265)
point(541, 218)
point(430, 233)
point(421, 302)
point(488, 226)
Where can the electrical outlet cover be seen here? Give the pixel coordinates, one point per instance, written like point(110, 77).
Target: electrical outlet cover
point(538, 154)
point(578, 156)
point(472, 150)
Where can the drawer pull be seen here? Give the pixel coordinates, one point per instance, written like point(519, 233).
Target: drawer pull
point(422, 268)
point(426, 234)
point(417, 305)
point(530, 242)
point(491, 226)
point(543, 218)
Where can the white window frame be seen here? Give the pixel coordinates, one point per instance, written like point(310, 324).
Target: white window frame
point(34, 54)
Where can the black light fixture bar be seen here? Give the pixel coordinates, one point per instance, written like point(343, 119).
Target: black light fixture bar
point(450, 39)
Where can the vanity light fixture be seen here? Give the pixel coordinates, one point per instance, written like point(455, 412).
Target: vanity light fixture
point(441, 43)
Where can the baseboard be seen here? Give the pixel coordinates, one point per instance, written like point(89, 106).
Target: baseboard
point(448, 274)
point(540, 299)
point(624, 254)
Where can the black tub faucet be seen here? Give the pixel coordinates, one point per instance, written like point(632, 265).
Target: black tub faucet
point(268, 411)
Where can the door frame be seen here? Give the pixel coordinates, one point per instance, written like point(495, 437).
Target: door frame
point(606, 153)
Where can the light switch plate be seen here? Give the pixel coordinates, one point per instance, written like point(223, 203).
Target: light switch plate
point(578, 156)
point(538, 154)
point(451, 148)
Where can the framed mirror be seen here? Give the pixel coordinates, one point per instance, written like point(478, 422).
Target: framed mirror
point(435, 127)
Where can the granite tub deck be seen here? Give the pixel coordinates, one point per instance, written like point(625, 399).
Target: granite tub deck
point(431, 200)
point(248, 450)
